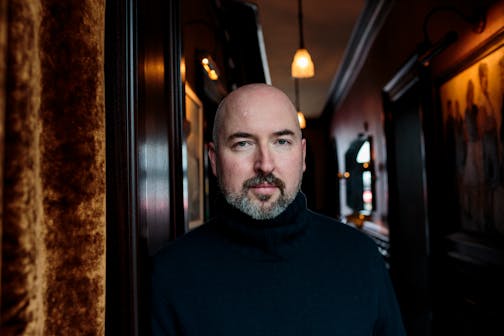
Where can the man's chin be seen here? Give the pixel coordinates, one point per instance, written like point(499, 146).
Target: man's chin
point(255, 205)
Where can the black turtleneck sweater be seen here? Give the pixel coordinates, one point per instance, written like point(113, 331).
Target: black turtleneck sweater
point(298, 274)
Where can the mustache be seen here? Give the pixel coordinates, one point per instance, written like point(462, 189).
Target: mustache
point(269, 178)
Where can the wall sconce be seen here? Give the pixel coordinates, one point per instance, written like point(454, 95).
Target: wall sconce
point(427, 50)
point(477, 20)
point(302, 64)
point(210, 67)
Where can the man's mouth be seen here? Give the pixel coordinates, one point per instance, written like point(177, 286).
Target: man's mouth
point(265, 184)
point(264, 188)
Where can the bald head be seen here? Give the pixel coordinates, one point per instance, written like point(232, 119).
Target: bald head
point(256, 99)
point(258, 153)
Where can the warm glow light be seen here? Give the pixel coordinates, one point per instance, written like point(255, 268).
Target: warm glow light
point(213, 75)
point(183, 69)
point(302, 65)
point(302, 120)
point(210, 68)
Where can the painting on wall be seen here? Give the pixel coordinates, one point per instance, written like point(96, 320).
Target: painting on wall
point(194, 160)
point(472, 104)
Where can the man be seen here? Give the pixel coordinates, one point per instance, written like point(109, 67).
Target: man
point(266, 265)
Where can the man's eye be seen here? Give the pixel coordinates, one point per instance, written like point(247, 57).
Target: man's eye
point(283, 141)
point(241, 144)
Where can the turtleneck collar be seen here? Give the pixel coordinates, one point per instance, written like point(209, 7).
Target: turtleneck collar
point(275, 237)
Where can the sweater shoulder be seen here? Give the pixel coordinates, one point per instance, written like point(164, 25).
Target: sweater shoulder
point(334, 232)
point(190, 247)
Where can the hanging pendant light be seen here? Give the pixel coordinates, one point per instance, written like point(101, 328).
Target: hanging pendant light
point(302, 64)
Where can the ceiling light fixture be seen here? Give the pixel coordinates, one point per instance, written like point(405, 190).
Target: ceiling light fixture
point(302, 64)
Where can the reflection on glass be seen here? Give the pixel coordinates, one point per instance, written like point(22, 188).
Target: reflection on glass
point(367, 193)
point(359, 178)
point(364, 155)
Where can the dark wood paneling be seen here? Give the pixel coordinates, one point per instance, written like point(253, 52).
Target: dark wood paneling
point(144, 159)
point(122, 243)
point(408, 196)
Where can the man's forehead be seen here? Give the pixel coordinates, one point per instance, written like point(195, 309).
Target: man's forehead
point(257, 108)
point(259, 115)
point(258, 94)
point(253, 108)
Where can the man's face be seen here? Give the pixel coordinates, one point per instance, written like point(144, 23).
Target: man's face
point(260, 156)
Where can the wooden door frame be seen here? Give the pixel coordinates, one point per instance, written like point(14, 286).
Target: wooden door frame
point(144, 157)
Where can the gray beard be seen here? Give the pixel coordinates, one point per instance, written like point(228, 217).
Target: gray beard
point(261, 211)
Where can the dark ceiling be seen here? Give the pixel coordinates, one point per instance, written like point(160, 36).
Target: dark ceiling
point(328, 25)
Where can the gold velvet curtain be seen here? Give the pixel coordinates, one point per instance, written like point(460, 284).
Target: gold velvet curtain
point(52, 172)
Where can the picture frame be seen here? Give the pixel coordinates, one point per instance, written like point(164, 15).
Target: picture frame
point(194, 160)
point(471, 102)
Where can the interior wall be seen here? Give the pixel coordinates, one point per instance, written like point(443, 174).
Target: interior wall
point(437, 280)
point(401, 34)
point(201, 35)
point(363, 103)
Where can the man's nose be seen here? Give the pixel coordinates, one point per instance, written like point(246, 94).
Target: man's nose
point(264, 161)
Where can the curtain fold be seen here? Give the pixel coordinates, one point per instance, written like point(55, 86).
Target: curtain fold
point(3, 70)
point(53, 220)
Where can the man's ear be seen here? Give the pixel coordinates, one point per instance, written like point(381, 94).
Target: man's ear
point(212, 156)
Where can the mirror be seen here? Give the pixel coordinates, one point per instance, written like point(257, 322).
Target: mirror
point(360, 177)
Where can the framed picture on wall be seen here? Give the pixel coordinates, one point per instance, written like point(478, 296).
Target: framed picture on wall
point(194, 159)
point(472, 105)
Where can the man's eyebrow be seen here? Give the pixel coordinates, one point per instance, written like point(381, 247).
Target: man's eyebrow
point(246, 135)
point(284, 132)
point(239, 135)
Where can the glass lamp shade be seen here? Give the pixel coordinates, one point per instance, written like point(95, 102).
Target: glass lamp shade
point(301, 119)
point(302, 65)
